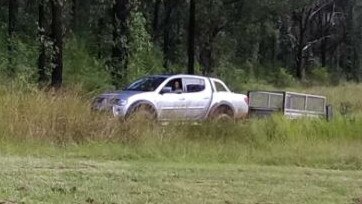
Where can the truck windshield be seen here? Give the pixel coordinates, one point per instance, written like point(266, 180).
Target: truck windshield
point(146, 84)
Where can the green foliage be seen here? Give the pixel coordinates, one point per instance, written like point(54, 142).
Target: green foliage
point(82, 69)
point(234, 76)
point(320, 76)
point(144, 59)
point(23, 60)
point(281, 78)
point(230, 36)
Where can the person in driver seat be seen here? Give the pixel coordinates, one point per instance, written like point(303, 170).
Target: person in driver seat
point(177, 87)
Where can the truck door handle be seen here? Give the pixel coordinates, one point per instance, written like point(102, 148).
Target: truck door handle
point(206, 98)
point(182, 99)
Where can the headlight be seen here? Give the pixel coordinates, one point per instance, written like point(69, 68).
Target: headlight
point(122, 102)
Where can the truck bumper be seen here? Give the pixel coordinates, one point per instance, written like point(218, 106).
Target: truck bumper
point(119, 111)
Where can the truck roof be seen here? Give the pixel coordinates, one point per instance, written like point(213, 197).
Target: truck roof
point(181, 75)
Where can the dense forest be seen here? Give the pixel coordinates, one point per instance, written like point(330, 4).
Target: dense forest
point(98, 43)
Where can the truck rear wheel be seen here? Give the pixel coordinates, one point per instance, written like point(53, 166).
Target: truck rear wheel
point(222, 114)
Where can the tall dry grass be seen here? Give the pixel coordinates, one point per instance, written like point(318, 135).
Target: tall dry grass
point(64, 118)
point(55, 117)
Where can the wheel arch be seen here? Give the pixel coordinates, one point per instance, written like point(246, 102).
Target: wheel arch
point(229, 107)
point(140, 103)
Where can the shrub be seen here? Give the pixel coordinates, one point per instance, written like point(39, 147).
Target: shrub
point(281, 78)
point(320, 76)
point(145, 59)
point(81, 69)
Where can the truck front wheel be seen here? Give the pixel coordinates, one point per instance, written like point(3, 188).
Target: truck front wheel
point(142, 113)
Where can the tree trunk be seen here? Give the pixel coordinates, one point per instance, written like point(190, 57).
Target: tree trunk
point(57, 37)
point(300, 65)
point(121, 9)
point(42, 56)
point(300, 68)
point(74, 14)
point(155, 23)
point(191, 40)
point(354, 27)
point(100, 27)
point(13, 13)
point(357, 19)
point(324, 52)
point(206, 59)
point(274, 50)
point(166, 34)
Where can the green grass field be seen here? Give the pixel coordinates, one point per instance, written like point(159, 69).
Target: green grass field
point(53, 149)
point(64, 180)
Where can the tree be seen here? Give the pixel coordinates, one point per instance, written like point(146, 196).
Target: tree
point(168, 6)
point(13, 14)
point(222, 36)
point(57, 38)
point(354, 39)
point(42, 40)
point(156, 16)
point(191, 38)
point(121, 13)
point(211, 21)
point(357, 40)
point(74, 14)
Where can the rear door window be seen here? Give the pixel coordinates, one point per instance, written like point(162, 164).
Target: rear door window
point(220, 87)
point(194, 85)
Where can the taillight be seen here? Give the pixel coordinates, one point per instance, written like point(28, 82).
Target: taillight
point(246, 99)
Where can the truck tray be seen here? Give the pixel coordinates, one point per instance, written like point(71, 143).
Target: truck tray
point(290, 104)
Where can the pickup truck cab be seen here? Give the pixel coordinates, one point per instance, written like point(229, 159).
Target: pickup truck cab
point(176, 97)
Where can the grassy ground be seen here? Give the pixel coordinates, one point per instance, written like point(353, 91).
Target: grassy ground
point(57, 180)
point(53, 149)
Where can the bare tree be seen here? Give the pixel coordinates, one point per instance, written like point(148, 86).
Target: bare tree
point(304, 35)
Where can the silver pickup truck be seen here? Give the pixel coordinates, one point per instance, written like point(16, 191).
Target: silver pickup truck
point(175, 97)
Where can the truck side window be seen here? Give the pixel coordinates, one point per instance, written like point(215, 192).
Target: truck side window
point(219, 87)
point(176, 85)
point(194, 85)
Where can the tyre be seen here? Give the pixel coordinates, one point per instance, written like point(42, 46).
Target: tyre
point(222, 114)
point(142, 113)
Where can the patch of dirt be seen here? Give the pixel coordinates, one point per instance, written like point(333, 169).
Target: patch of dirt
point(7, 202)
point(357, 200)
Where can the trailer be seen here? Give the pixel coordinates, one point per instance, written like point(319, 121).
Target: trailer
point(290, 104)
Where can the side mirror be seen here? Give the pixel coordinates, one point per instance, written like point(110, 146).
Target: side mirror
point(166, 90)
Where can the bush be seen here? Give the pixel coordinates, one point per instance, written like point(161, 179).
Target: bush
point(234, 77)
point(81, 69)
point(320, 76)
point(145, 59)
point(281, 78)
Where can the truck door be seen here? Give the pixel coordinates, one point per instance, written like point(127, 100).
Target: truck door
point(198, 97)
point(172, 101)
